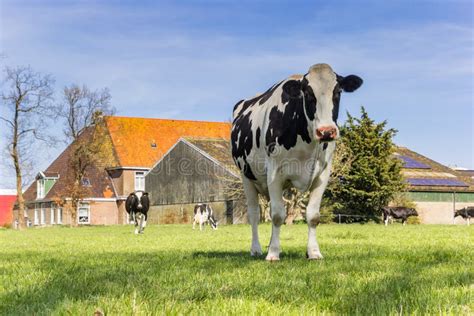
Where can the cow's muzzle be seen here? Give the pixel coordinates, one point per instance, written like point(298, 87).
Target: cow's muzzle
point(326, 133)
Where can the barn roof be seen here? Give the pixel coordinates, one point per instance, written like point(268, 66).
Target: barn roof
point(141, 142)
point(217, 148)
point(425, 174)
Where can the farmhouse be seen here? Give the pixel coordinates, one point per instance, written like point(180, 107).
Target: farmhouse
point(195, 170)
point(131, 147)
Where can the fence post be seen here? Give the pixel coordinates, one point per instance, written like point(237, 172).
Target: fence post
point(339, 218)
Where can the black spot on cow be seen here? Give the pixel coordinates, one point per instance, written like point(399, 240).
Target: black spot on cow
point(264, 97)
point(325, 146)
point(257, 137)
point(248, 171)
point(336, 98)
point(241, 136)
point(284, 127)
point(237, 104)
point(242, 142)
point(309, 98)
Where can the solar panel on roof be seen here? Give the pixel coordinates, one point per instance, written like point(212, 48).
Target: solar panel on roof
point(436, 182)
point(412, 163)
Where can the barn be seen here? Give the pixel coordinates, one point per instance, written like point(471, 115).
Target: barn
point(436, 189)
point(195, 170)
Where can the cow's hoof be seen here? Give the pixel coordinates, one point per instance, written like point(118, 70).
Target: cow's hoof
point(315, 255)
point(256, 250)
point(256, 253)
point(272, 257)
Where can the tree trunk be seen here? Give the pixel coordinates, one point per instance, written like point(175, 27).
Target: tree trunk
point(19, 185)
point(73, 212)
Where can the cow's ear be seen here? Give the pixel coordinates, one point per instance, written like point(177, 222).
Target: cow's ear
point(292, 88)
point(350, 83)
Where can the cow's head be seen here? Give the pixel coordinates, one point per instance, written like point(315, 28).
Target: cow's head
point(459, 212)
point(321, 88)
point(412, 212)
point(139, 205)
point(210, 217)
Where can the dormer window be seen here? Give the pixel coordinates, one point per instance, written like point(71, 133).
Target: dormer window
point(40, 192)
point(86, 182)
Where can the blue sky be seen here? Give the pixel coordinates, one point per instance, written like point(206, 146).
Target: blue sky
point(196, 59)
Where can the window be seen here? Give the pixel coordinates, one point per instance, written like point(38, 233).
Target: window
point(84, 213)
point(40, 189)
point(59, 218)
point(43, 215)
point(140, 181)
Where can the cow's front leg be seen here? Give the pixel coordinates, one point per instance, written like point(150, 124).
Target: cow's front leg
point(253, 213)
point(136, 225)
point(278, 211)
point(312, 213)
point(143, 223)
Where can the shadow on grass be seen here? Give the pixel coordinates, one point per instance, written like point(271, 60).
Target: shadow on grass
point(203, 274)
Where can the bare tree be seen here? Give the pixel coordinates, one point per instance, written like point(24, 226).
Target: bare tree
point(79, 108)
point(82, 112)
point(26, 99)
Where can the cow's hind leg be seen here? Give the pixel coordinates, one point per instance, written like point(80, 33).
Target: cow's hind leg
point(313, 215)
point(253, 213)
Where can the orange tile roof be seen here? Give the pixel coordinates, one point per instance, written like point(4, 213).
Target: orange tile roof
point(133, 137)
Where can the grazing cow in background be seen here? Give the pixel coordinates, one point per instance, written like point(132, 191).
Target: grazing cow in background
point(398, 212)
point(203, 214)
point(137, 205)
point(466, 213)
point(285, 137)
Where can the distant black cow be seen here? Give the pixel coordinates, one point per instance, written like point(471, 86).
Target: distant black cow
point(398, 212)
point(203, 214)
point(466, 213)
point(137, 206)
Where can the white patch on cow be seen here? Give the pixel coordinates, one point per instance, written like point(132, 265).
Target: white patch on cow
point(322, 80)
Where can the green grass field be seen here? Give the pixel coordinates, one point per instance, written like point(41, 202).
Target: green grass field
point(368, 269)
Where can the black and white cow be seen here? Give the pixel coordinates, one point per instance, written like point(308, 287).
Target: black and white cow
point(137, 205)
point(397, 212)
point(466, 213)
point(285, 137)
point(203, 214)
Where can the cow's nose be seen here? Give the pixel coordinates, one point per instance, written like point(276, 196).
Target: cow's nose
point(326, 133)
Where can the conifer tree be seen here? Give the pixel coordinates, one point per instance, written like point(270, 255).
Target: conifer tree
point(373, 175)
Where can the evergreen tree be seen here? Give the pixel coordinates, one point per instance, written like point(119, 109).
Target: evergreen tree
point(371, 175)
